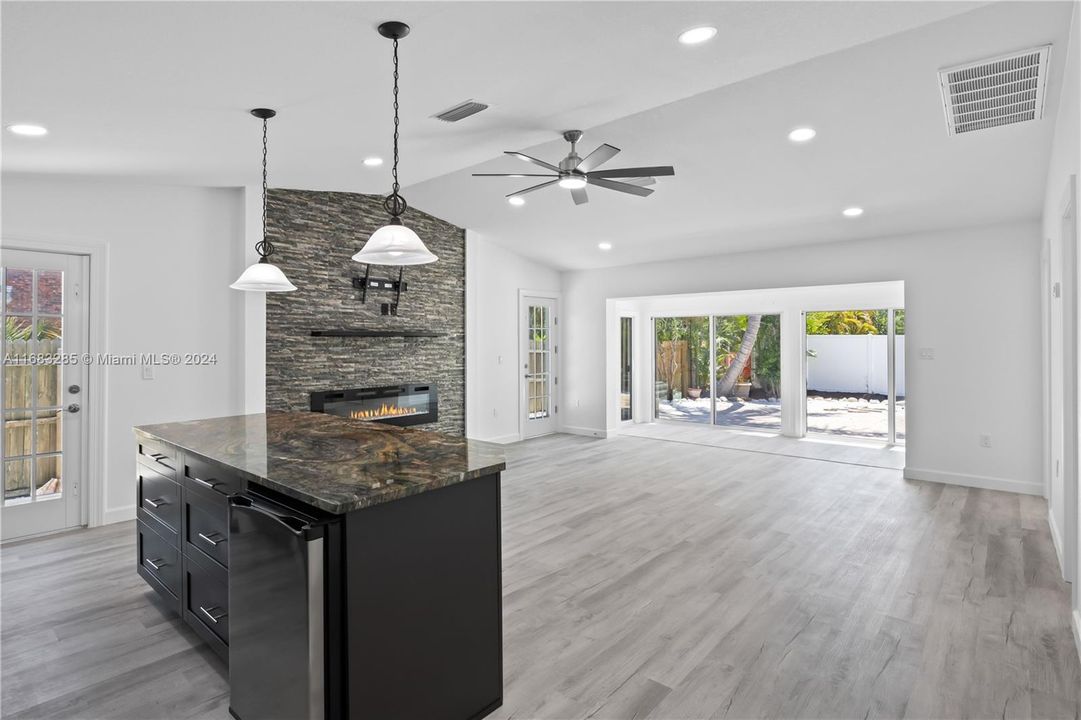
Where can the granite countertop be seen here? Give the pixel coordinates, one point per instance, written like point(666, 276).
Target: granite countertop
point(330, 462)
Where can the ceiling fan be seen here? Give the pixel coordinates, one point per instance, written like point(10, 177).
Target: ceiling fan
point(574, 173)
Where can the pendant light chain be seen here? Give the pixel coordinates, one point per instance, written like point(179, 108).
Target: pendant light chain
point(394, 203)
point(263, 247)
point(396, 121)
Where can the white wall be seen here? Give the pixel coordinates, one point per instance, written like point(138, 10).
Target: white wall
point(853, 363)
point(171, 254)
point(1065, 165)
point(962, 287)
point(494, 275)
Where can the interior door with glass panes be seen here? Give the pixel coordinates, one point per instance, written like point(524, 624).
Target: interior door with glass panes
point(539, 354)
point(41, 391)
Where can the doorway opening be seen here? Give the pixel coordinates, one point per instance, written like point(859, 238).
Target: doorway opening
point(855, 374)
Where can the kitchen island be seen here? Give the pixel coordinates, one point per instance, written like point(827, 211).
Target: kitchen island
point(342, 568)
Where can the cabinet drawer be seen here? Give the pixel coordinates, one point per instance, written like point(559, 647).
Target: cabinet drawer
point(159, 560)
point(207, 600)
point(159, 456)
point(203, 476)
point(206, 528)
point(159, 500)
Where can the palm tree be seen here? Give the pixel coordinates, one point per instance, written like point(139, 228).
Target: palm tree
point(743, 355)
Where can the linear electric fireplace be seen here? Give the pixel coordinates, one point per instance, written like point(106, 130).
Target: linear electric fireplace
point(394, 404)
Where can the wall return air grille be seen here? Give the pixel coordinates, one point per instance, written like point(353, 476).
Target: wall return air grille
point(1000, 91)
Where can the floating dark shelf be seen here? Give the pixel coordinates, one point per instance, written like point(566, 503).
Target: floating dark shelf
point(364, 332)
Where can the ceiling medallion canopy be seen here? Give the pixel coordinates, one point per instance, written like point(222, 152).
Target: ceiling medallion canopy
point(394, 243)
point(264, 276)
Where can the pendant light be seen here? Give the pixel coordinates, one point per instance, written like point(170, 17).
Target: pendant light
point(264, 276)
point(394, 243)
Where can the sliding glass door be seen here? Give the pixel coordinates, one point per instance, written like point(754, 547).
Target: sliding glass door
point(747, 349)
point(682, 369)
point(722, 370)
point(626, 367)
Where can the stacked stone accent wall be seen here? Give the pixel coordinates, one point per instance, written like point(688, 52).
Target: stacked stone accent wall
point(315, 235)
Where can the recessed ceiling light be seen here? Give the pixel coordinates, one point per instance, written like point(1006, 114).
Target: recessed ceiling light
point(28, 130)
point(698, 35)
point(373, 161)
point(516, 201)
point(604, 245)
point(802, 135)
point(852, 212)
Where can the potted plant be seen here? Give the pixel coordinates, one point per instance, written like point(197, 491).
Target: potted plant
point(694, 393)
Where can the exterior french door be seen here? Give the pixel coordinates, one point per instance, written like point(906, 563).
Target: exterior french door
point(538, 358)
point(43, 374)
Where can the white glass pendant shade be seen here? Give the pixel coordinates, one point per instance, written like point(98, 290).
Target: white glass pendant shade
point(395, 244)
point(263, 277)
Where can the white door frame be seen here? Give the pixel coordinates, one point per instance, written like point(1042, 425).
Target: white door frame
point(635, 369)
point(94, 393)
point(522, 359)
point(1071, 274)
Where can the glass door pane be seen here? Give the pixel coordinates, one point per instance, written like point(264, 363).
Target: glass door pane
point(682, 369)
point(899, 374)
point(538, 372)
point(747, 351)
point(32, 425)
point(626, 411)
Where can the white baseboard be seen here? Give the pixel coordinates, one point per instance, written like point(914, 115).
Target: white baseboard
point(587, 431)
point(975, 481)
point(115, 515)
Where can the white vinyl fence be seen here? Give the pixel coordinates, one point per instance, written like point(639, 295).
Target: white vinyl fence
point(852, 363)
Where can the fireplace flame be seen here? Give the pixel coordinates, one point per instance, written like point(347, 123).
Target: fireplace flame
point(383, 411)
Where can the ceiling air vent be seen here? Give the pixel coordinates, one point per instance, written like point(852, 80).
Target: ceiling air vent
point(1000, 91)
point(460, 111)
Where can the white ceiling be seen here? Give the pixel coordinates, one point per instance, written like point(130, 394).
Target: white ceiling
point(160, 91)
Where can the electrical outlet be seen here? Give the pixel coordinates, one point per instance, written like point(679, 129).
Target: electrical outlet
point(985, 441)
point(148, 372)
point(927, 353)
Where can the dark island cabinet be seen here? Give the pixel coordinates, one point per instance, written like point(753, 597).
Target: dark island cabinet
point(183, 535)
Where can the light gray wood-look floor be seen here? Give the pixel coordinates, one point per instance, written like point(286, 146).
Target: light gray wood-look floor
point(647, 579)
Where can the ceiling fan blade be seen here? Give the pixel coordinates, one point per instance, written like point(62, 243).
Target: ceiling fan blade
point(597, 158)
point(581, 197)
point(640, 181)
point(535, 161)
point(660, 170)
point(535, 187)
point(620, 186)
point(515, 175)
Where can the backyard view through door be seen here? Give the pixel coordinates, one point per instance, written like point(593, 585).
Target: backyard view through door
point(40, 444)
point(856, 374)
point(721, 370)
point(538, 360)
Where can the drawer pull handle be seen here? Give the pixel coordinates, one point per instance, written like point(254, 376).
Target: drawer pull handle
point(206, 483)
point(156, 564)
point(212, 541)
point(210, 613)
point(155, 503)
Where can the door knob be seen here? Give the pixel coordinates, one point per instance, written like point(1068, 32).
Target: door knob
point(73, 408)
point(74, 389)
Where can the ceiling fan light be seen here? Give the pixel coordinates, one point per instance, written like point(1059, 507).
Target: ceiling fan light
point(572, 182)
point(395, 244)
point(263, 276)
